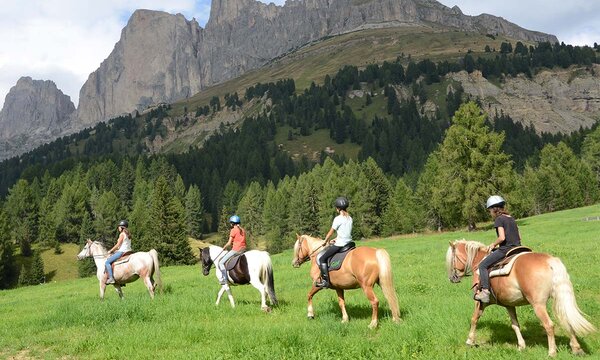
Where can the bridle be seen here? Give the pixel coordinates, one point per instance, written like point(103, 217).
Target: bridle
point(456, 275)
point(307, 257)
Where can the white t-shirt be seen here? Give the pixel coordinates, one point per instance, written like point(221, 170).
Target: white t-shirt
point(343, 226)
point(126, 244)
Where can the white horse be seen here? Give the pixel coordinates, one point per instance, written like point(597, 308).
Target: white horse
point(140, 264)
point(259, 273)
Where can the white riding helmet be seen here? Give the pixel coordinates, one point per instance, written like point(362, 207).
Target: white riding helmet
point(495, 201)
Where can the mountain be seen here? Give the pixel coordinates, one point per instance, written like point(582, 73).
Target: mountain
point(162, 58)
point(34, 111)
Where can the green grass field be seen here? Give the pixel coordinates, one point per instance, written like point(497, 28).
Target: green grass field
point(66, 320)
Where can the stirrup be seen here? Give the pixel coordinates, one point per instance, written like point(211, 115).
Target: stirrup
point(483, 296)
point(110, 281)
point(323, 283)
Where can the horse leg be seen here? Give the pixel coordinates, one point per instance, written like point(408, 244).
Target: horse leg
point(223, 289)
point(575, 347)
point(311, 293)
point(368, 290)
point(474, 319)
point(119, 291)
point(342, 302)
point(102, 289)
point(542, 314)
point(149, 286)
point(512, 312)
point(263, 294)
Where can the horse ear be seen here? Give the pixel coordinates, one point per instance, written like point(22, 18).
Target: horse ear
point(297, 236)
point(451, 243)
point(89, 241)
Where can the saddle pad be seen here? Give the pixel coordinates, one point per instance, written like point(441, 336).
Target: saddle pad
point(505, 270)
point(123, 259)
point(335, 262)
point(232, 262)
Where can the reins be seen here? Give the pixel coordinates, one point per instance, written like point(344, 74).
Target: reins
point(307, 257)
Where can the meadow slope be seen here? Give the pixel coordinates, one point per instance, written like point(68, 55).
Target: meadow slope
point(66, 320)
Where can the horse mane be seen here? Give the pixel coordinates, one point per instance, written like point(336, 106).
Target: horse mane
point(471, 248)
point(102, 247)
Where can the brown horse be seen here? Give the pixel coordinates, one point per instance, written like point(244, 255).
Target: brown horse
point(534, 278)
point(363, 267)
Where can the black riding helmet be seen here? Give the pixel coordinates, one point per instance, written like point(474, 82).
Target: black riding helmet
point(341, 203)
point(124, 223)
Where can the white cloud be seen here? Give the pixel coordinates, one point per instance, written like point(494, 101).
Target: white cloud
point(66, 40)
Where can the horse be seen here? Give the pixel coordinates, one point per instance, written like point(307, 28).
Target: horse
point(363, 267)
point(534, 278)
point(259, 274)
point(140, 264)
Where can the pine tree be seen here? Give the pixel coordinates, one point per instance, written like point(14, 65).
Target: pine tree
point(250, 211)
point(590, 152)
point(47, 220)
point(24, 276)
point(194, 212)
point(7, 260)
point(87, 266)
point(401, 215)
point(167, 225)
point(22, 211)
point(37, 275)
point(125, 185)
point(471, 167)
point(107, 213)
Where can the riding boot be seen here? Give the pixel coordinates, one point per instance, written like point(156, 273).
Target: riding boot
point(324, 283)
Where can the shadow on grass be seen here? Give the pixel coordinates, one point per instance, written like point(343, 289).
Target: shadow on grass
point(533, 333)
point(50, 275)
point(363, 311)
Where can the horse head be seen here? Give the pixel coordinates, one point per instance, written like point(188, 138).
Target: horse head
point(207, 261)
point(91, 248)
point(301, 251)
point(456, 261)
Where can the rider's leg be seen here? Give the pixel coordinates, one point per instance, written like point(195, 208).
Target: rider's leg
point(222, 262)
point(111, 259)
point(484, 276)
point(323, 258)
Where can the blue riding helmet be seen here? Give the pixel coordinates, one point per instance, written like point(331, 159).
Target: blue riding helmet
point(234, 219)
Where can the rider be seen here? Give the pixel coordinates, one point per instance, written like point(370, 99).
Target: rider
point(237, 238)
point(508, 237)
point(342, 224)
point(123, 245)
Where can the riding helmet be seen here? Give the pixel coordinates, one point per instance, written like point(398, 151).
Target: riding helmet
point(341, 203)
point(495, 201)
point(234, 219)
point(124, 223)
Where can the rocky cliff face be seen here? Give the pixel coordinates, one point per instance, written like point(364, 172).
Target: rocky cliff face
point(552, 101)
point(156, 60)
point(34, 111)
point(163, 58)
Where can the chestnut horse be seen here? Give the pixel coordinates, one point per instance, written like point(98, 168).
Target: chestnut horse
point(534, 278)
point(363, 267)
point(140, 265)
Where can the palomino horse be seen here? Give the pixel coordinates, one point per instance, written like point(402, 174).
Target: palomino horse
point(259, 274)
point(363, 267)
point(140, 264)
point(534, 278)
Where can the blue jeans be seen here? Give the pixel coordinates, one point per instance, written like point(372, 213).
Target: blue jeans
point(491, 259)
point(226, 257)
point(111, 259)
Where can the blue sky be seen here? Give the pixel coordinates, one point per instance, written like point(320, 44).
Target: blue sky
point(66, 40)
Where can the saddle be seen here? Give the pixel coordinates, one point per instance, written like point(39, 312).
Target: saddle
point(237, 269)
point(335, 262)
point(123, 259)
point(504, 266)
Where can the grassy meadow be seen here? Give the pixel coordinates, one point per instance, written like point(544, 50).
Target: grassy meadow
point(66, 320)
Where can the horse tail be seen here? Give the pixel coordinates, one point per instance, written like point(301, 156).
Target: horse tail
point(386, 281)
point(268, 279)
point(565, 306)
point(154, 256)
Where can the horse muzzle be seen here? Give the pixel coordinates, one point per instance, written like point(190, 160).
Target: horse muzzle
point(454, 278)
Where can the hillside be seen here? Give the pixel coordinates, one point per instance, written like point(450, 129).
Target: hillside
point(66, 320)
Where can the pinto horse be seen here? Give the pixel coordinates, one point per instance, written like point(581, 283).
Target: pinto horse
point(363, 267)
point(140, 265)
point(534, 278)
point(259, 274)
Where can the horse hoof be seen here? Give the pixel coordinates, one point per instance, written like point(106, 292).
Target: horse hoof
point(311, 317)
point(470, 342)
point(372, 326)
point(266, 309)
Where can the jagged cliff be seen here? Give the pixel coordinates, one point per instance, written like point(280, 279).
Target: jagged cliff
point(162, 57)
point(34, 111)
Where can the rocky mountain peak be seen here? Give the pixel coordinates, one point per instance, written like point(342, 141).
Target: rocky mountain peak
point(36, 108)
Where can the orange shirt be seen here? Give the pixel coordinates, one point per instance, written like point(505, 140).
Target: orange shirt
point(239, 239)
